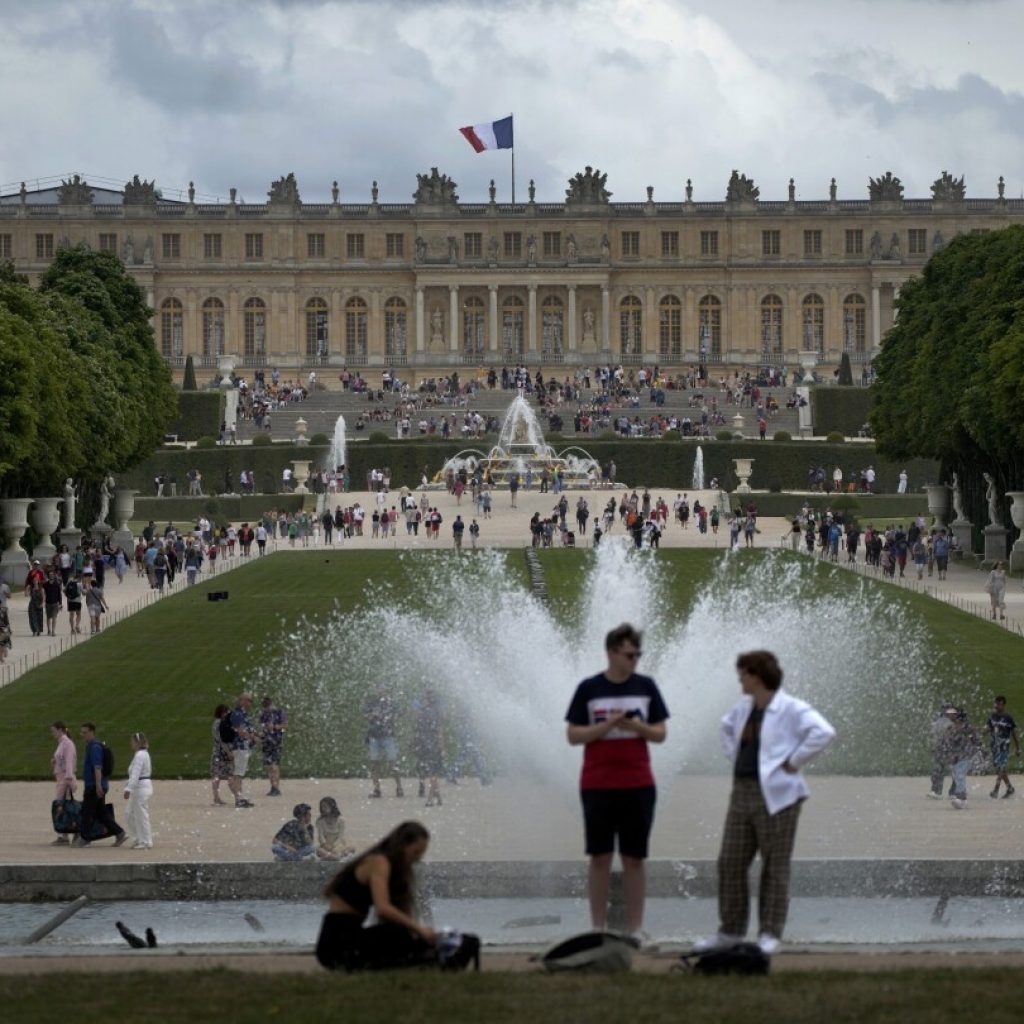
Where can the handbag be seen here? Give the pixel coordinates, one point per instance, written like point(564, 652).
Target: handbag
point(67, 816)
point(457, 950)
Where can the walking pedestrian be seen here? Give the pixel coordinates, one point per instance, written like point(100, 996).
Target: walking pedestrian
point(94, 600)
point(221, 760)
point(1001, 730)
point(97, 815)
point(995, 587)
point(137, 791)
point(381, 715)
point(64, 763)
point(241, 735)
point(960, 750)
point(273, 724)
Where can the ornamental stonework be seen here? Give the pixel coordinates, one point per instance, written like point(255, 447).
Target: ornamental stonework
point(75, 192)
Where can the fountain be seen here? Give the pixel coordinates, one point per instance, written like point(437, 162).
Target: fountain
point(698, 470)
point(521, 446)
point(336, 458)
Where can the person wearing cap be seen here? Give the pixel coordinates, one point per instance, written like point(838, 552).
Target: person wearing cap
point(273, 723)
point(940, 725)
point(295, 839)
point(959, 749)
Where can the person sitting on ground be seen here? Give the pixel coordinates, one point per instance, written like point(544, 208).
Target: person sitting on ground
point(381, 878)
point(294, 839)
point(330, 832)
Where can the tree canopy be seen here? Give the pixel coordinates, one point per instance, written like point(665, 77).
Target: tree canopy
point(83, 391)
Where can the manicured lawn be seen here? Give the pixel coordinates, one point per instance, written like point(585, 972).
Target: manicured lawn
point(899, 997)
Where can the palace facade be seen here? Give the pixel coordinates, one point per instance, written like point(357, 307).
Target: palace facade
point(438, 283)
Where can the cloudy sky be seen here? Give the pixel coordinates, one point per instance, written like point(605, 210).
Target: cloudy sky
point(238, 92)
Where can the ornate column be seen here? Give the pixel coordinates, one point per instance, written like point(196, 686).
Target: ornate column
point(834, 323)
point(691, 324)
point(453, 317)
point(233, 340)
point(492, 326)
point(193, 333)
point(650, 340)
point(792, 324)
point(876, 317)
point(571, 289)
point(375, 335)
point(606, 319)
point(531, 323)
point(336, 328)
point(420, 320)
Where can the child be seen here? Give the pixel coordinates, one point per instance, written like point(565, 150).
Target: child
point(330, 832)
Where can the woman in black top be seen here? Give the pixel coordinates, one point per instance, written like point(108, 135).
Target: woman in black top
point(381, 878)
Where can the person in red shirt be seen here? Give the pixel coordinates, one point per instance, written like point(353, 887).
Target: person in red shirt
point(614, 715)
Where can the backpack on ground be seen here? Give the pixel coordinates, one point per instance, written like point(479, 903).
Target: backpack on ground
point(457, 950)
point(108, 761)
point(743, 958)
point(597, 952)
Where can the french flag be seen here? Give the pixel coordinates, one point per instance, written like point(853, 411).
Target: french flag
point(493, 135)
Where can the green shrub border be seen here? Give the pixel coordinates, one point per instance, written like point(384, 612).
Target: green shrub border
point(200, 414)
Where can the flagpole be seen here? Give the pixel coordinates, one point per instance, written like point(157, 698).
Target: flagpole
point(513, 177)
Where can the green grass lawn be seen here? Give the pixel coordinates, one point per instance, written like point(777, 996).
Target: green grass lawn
point(899, 997)
point(164, 669)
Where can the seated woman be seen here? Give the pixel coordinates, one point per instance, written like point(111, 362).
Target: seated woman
point(381, 878)
point(330, 832)
point(294, 839)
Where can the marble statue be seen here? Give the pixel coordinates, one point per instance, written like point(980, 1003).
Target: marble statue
point(894, 246)
point(606, 249)
point(421, 248)
point(570, 249)
point(70, 496)
point(531, 249)
point(147, 252)
point(588, 324)
point(436, 327)
point(492, 249)
point(992, 497)
point(876, 246)
point(128, 251)
point(106, 493)
point(958, 499)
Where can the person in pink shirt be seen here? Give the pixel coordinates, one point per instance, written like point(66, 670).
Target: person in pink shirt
point(64, 763)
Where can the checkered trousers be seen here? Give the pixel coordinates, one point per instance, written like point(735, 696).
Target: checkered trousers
point(750, 829)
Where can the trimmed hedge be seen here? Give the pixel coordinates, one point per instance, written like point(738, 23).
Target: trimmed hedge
point(641, 462)
point(879, 509)
point(200, 414)
point(842, 409)
point(237, 508)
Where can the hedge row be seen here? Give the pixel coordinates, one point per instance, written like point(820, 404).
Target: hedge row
point(238, 508)
point(842, 409)
point(869, 508)
point(777, 465)
point(200, 414)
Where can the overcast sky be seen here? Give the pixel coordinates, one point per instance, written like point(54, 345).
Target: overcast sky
point(239, 92)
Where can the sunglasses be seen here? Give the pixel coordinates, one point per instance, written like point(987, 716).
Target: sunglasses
point(630, 655)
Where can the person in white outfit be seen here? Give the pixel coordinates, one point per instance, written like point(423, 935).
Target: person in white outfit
point(768, 736)
point(137, 791)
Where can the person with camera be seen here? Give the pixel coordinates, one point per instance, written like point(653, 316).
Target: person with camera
point(614, 716)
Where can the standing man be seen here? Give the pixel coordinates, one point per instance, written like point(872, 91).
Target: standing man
point(381, 747)
point(769, 736)
point(241, 746)
point(1001, 729)
point(273, 723)
point(614, 715)
point(458, 528)
point(97, 816)
point(64, 762)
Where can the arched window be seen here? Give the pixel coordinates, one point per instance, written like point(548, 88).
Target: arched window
point(512, 322)
point(316, 329)
point(709, 328)
point(356, 320)
point(854, 324)
point(552, 329)
point(213, 327)
point(813, 323)
point(474, 327)
point(172, 328)
point(670, 327)
point(394, 327)
point(630, 326)
point(771, 326)
point(254, 313)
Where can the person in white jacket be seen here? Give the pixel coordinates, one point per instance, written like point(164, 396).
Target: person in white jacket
point(768, 736)
point(137, 791)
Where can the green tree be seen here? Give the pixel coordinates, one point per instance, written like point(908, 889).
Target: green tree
point(189, 381)
point(845, 371)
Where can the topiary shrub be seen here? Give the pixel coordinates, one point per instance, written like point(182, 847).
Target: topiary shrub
point(671, 435)
point(319, 439)
point(845, 503)
point(782, 435)
point(845, 371)
point(262, 441)
point(189, 379)
point(723, 435)
point(835, 437)
point(206, 442)
point(378, 437)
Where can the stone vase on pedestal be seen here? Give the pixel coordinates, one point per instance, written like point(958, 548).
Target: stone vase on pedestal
point(744, 467)
point(995, 545)
point(300, 432)
point(124, 509)
point(14, 560)
point(45, 520)
point(737, 423)
point(938, 503)
point(301, 474)
point(1017, 515)
point(963, 530)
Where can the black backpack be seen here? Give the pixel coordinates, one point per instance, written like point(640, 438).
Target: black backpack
point(227, 730)
point(71, 590)
point(743, 958)
point(108, 761)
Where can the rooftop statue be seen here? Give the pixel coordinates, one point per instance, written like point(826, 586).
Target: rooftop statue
point(139, 192)
point(741, 189)
point(75, 192)
point(587, 188)
point(285, 190)
point(887, 189)
point(949, 189)
point(435, 189)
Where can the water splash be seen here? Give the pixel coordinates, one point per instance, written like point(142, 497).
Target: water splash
point(337, 455)
point(698, 470)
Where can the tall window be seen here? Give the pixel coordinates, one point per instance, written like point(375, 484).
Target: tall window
point(6, 247)
point(812, 243)
point(771, 243)
point(172, 328)
point(395, 320)
point(552, 244)
point(630, 326)
point(472, 245)
point(254, 246)
point(254, 317)
point(917, 241)
point(670, 327)
point(474, 327)
point(212, 246)
point(771, 326)
point(171, 247)
point(670, 244)
point(813, 323)
point(709, 243)
point(709, 328)
point(394, 245)
point(512, 322)
point(315, 245)
point(552, 326)
point(513, 244)
point(355, 246)
point(316, 329)
point(630, 243)
point(854, 242)
point(44, 247)
point(854, 323)
point(108, 243)
point(213, 327)
point(356, 320)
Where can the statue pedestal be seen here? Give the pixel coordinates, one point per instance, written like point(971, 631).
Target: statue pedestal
point(70, 536)
point(100, 531)
point(995, 546)
point(963, 530)
point(14, 561)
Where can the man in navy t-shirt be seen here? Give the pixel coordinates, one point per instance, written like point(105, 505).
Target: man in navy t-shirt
point(614, 715)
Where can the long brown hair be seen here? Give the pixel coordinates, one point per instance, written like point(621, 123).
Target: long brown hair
point(392, 847)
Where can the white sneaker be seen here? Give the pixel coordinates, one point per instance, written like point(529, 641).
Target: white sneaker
point(720, 940)
point(958, 803)
point(770, 944)
point(644, 941)
point(932, 795)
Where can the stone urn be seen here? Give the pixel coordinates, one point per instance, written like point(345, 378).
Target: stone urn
point(737, 423)
point(14, 560)
point(744, 467)
point(938, 503)
point(301, 474)
point(45, 520)
point(124, 509)
point(1017, 515)
point(300, 432)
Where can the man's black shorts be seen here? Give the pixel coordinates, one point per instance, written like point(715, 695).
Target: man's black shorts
point(626, 813)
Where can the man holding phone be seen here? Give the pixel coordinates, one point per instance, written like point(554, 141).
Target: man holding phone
point(614, 715)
